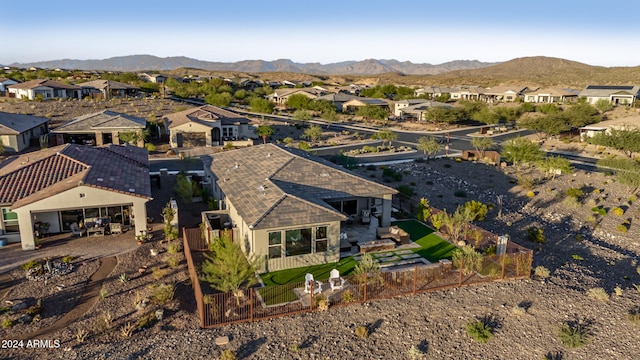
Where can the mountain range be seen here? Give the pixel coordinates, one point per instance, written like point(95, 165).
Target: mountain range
point(365, 67)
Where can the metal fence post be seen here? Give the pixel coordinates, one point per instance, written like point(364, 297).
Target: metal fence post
point(312, 285)
point(503, 264)
point(530, 262)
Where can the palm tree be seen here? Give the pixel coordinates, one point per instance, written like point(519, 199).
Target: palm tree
point(264, 131)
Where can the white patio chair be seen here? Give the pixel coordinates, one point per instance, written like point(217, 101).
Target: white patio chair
point(335, 280)
point(317, 285)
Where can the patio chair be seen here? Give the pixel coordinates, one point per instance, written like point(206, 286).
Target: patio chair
point(115, 228)
point(317, 285)
point(76, 231)
point(335, 280)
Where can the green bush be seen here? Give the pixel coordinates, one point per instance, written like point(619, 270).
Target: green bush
point(388, 172)
point(31, 265)
point(480, 331)
point(622, 228)
point(573, 336)
point(577, 257)
point(362, 332)
point(536, 235)
point(530, 194)
point(574, 193)
point(173, 261)
point(163, 294)
point(618, 211)
point(599, 210)
point(228, 355)
point(7, 323)
point(67, 259)
point(405, 190)
point(173, 248)
point(150, 147)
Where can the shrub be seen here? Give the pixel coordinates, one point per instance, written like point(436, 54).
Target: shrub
point(163, 294)
point(542, 272)
point(571, 202)
point(405, 190)
point(618, 211)
point(67, 259)
point(536, 235)
point(81, 335)
point(147, 320)
point(416, 353)
point(150, 147)
point(362, 332)
point(598, 293)
point(123, 278)
point(321, 303)
point(480, 331)
point(158, 273)
point(228, 355)
point(618, 290)
point(460, 193)
point(103, 293)
point(530, 194)
point(577, 257)
point(634, 315)
point(526, 182)
point(469, 258)
point(599, 210)
point(127, 329)
point(478, 209)
point(622, 228)
point(7, 323)
point(574, 193)
point(437, 220)
point(389, 172)
point(31, 265)
point(348, 296)
point(573, 336)
point(173, 261)
point(632, 199)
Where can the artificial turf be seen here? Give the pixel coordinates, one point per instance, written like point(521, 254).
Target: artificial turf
point(432, 247)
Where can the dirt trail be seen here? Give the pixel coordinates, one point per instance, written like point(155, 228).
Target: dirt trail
point(86, 301)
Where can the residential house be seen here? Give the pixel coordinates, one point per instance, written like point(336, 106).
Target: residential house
point(107, 89)
point(338, 99)
point(418, 112)
point(4, 82)
point(615, 94)
point(467, 92)
point(46, 89)
point(631, 122)
point(550, 95)
point(100, 128)
point(504, 93)
point(432, 92)
point(249, 84)
point(154, 78)
point(280, 96)
point(18, 132)
point(286, 206)
point(401, 104)
point(207, 126)
point(70, 184)
point(354, 104)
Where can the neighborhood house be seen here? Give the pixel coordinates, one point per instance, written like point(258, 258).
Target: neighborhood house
point(286, 206)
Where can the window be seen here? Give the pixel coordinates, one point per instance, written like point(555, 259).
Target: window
point(298, 242)
point(10, 220)
point(275, 245)
point(321, 239)
point(228, 131)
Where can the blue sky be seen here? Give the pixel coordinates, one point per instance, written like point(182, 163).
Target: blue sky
point(424, 31)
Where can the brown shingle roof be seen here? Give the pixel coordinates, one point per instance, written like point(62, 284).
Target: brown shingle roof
point(270, 186)
point(34, 176)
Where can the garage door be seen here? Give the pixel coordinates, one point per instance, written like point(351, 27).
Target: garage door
point(192, 139)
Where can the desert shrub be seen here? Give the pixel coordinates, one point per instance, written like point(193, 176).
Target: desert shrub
point(368, 269)
point(158, 273)
point(571, 202)
point(573, 336)
point(622, 228)
point(405, 190)
point(598, 293)
point(490, 250)
point(32, 264)
point(536, 235)
point(634, 315)
point(477, 209)
point(321, 303)
point(632, 199)
point(362, 332)
point(577, 257)
point(67, 259)
point(618, 211)
point(479, 331)
point(127, 329)
point(173, 261)
point(123, 278)
point(228, 355)
point(579, 237)
point(5, 309)
point(348, 296)
point(163, 293)
point(526, 182)
point(150, 147)
point(530, 194)
point(103, 293)
point(147, 320)
point(437, 220)
point(7, 323)
point(173, 248)
point(574, 193)
point(618, 290)
point(591, 203)
point(389, 172)
point(542, 272)
point(469, 258)
point(460, 193)
point(81, 335)
point(599, 210)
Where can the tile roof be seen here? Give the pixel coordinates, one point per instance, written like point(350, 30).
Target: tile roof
point(271, 186)
point(103, 84)
point(552, 91)
point(43, 82)
point(102, 120)
point(607, 90)
point(15, 124)
point(205, 115)
point(34, 176)
point(366, 101)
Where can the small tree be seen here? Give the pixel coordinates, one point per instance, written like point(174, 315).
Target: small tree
point(478, 211)
point(483, 143)
point(261, 106)
point(385, 135)
point(554, 164)
point(264, 131)
point(428, 145)
point(313, 133)
point(518, 150)
point(368, 269)
point(467, 259)
point(298, 101)
point(227, 269)
point(424, 210)
point(184, 189)
point(168, 214)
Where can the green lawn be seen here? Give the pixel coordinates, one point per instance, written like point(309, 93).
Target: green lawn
point(432, 247)
point(320, 272)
